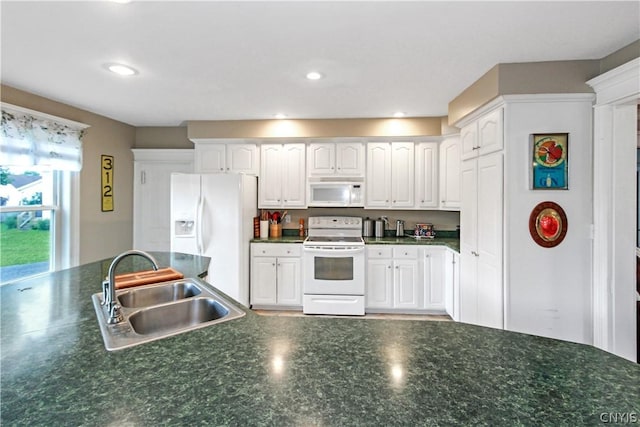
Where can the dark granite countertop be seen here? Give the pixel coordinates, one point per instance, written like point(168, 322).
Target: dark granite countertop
point(450, 242)
point(281, 371)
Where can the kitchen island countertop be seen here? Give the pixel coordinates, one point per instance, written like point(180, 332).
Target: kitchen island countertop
point(278, 370)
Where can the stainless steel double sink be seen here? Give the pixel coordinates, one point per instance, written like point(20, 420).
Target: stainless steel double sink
point(160, 310)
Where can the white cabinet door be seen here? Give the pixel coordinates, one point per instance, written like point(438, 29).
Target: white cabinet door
point(482, 136)
point(434, 278)
point(210, 158)
point(263, 280)
point(378, 175)
point(452, 284)
point(242, 158)
point(406, 284)
point(350, 159)
point(481, 222)
point(379, 289)
point(282, 176)
point(468, 242)
point(289, 289)
point(469, 141)
point(270, 181)
point(152, 196)
point(293, 176)
point(490, 133)
point(489, 240)
point(426, 171)
point(450, 174)
point(322, 158)
point(402, 174)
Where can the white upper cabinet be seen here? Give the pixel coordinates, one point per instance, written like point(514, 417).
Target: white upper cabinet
point(483, 136)
point(282, 176)
point(390, 175)
point(450, 173)
point(226, 158)
point(427, 175)
point(335, 159)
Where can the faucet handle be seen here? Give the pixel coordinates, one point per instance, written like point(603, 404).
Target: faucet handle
point(105, 293)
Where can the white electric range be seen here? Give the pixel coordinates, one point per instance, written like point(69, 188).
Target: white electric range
point(334, 266)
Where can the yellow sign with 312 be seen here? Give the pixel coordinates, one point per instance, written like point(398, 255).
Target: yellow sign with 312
point(107, 183)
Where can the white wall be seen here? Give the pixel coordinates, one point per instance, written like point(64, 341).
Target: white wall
point(548, 290)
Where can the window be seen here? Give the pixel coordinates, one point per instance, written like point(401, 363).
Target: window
point(40, 159)
point(34, 208)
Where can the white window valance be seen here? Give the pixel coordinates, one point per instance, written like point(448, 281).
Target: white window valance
point(30, 138)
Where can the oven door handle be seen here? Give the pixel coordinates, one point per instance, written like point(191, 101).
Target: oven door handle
point(335, 249)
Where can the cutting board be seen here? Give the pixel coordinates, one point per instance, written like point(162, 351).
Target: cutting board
point(147, 277)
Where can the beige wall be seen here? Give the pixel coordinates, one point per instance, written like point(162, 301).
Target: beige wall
point(524, 78)
point(620, 56)
point(102, 234)
point(409, 126)
point(162, 137)
point(482, 91)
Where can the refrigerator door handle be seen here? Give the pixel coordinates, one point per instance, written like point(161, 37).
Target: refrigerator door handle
point(199, 216)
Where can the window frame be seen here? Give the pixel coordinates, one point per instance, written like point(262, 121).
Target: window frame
point(64, 248)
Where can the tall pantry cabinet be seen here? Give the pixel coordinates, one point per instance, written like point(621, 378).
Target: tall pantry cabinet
point(481, 222)
point(507, 280)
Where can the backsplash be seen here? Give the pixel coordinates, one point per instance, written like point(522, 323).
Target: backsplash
point(441, 220)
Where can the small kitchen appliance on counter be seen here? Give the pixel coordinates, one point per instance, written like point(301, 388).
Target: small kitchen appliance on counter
point(368, 227)
point(334, 267)
point(399, 228)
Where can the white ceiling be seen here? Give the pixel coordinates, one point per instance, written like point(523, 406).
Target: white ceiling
point(248, 60)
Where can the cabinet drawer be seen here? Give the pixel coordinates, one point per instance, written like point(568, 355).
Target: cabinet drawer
point(276, 249)
point(379, 252)
point(405, 252)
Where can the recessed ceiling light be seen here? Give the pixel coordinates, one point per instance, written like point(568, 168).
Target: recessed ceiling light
point(122, 70)
point(314, 75)
point(398, 114)
point(280, 116)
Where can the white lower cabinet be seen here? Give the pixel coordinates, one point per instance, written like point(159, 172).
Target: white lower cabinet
point(434, 278)
point(393, 279)
point(276, 275)
point(452, 284)
point(409, 279)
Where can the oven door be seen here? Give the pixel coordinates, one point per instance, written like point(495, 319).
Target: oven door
point(334, 270)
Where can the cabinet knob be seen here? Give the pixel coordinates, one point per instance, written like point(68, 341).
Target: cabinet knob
point(421, 201)
point(227, 168)
point(442, 201)
point(427, 256)
point(288, 252)
point(285, 201)
point(406, 253)
point(379, 253)
point(274, 264)
point(396, 267)
point(264, 252)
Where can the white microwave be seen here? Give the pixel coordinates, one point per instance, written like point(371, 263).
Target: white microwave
point(324, 193)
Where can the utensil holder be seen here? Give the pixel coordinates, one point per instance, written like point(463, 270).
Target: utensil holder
point(275, 230)
point(264, 229)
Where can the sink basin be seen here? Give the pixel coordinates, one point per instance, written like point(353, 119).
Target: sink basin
point(158, 294)
point(157, 311)
point(180, 315)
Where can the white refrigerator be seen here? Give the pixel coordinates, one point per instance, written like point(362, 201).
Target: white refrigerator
point(212, 215)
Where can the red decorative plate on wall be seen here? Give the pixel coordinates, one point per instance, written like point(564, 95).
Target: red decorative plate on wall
point(548, 224)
